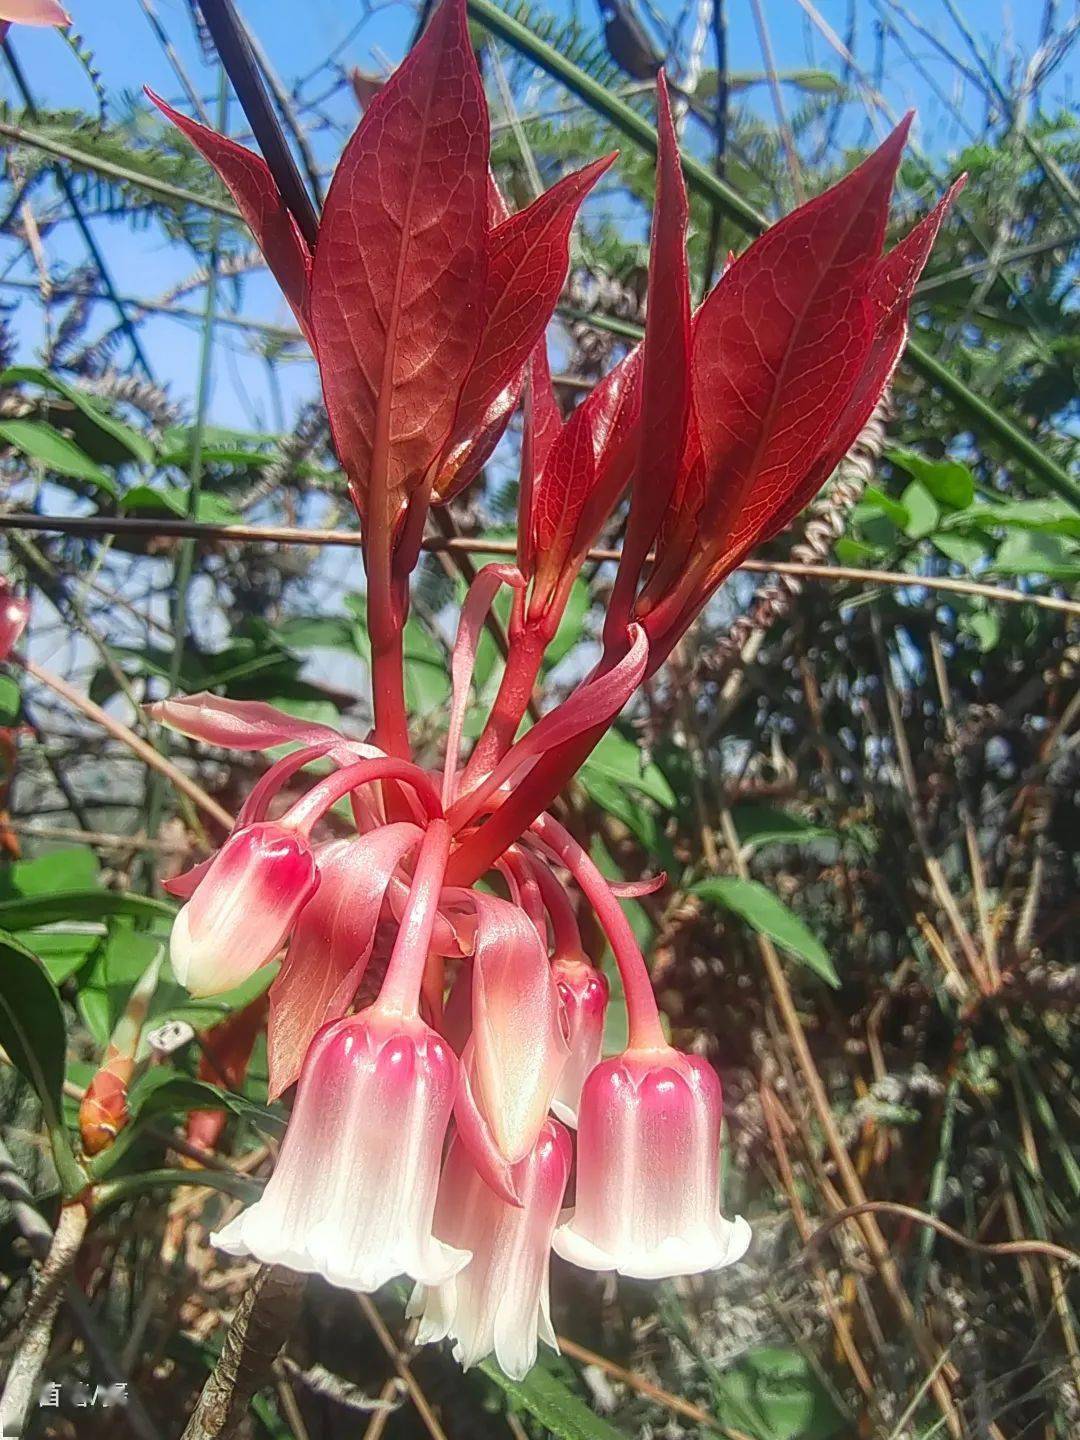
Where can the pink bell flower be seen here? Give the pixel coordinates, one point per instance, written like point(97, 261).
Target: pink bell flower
point(648, 1170)
point(243, 909)
point(353, 1193)
point(500, 1301)
point(583, 991)
point(251, 894)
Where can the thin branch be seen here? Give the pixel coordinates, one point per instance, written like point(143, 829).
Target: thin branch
point(93, 525)
point(260, 1328)
point(1020, 1248)
point(37, 1328)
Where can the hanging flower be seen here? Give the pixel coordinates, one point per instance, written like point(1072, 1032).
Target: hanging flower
point(499, 1302)
point(648, 1170)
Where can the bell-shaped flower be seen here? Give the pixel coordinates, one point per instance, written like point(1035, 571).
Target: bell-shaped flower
point(243, 909)
point(583, 993)
point(499, 1302)
point(517, 1050)
point(648, 1170)
point(353, 1193)
point(251, 894)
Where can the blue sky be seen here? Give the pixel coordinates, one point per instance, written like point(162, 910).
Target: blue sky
point(299, 36)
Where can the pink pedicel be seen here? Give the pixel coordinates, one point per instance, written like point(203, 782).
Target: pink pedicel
point(583, 992)
point(243, 909)
point(499, 1302)
point(353, 1192)
point(648, 1171)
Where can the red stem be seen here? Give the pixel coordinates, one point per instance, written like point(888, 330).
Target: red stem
point(400, 991)
point(644, 1030)
point(523, 662)
point(310, 808)
point(478, 851)
point(564, 926)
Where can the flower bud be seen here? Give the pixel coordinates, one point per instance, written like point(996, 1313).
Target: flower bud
point(243, 909)
point(353, 1193)
point(500, 1301)
point(648, 1170)
point(583, 992)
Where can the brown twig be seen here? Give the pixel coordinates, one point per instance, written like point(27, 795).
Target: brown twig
point(260, 1327)
point(1021, 1248)
point(37, 1328)
point(675, 1403)
point(92, 525)
point(400, 1362)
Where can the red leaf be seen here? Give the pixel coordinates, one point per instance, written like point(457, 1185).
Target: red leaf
point(528, 256)
point(665, 369)
point(585, 473)
point(542, 425)
point(398, 278)
point(331, 944)
point(255, 191)
point(560, 495)
point(779, 344)
point(891, 289)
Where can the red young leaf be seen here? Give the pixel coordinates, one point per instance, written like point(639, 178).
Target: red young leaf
point(560, 496)
point(399, 270)
point(542, 426)
point(779, 344)
point(665, 369)
point(255, 191)
point(528, 255)
point(581, 482)
point(891, 288)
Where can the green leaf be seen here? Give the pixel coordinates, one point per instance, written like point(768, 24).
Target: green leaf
point(775, 1394)
point(42, 442)
point(25, 914)
point(118, 965)
point(73, 868)
point(761, 909)
point(962, 550)
point(551, 1402)
point(32, 1027)
point(922, 509)
point(569, 630)
point(877, 502)
point(172, 501)
point(762, 825)
point(856, 552)
point(10, 700)
point(1052, 515)
point(619, 759)
point(640, 819)
point(134, 442)
point(1032, 552)
point(950, 482)
point(165, 1091)
point(985, 626)
point(62, 952)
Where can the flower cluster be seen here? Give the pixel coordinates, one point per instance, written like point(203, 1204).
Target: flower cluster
point(431, 1130)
